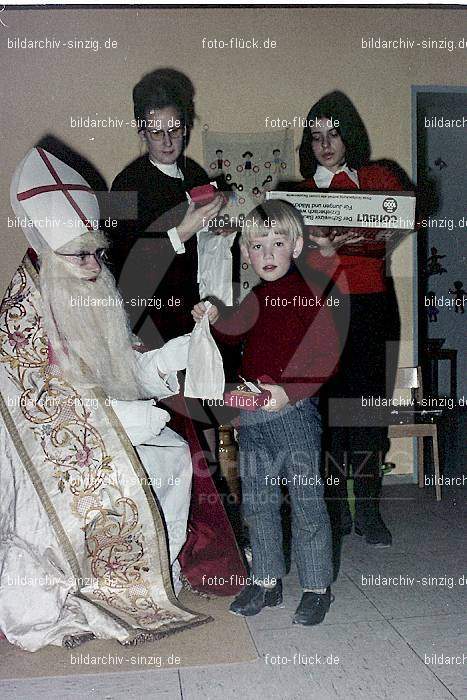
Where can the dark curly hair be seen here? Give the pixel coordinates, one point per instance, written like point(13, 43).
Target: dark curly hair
point(336, 106)
point(165, 87)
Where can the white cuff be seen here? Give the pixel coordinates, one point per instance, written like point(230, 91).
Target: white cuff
point(149, 378)
point(141, 420)
point(171, 381)
point(177, 244)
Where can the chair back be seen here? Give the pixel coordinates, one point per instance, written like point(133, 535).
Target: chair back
point(410, 378)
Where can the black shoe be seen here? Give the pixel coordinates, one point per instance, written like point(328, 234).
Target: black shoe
point(254, 598)
point(375, 531)
point(313, 608)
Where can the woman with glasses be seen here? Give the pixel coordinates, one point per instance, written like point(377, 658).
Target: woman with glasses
point(155, 251)
point(155, 258)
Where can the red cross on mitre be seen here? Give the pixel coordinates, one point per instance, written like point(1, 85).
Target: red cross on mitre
point(55, 198)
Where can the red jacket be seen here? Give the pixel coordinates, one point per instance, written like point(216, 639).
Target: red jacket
point(360, 275)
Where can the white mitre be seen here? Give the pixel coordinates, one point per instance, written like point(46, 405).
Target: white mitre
point(52, 202)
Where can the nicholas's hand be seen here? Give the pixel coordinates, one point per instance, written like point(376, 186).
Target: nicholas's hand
point(173, 355)
point(142, 420)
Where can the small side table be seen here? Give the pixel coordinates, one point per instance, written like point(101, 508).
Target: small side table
point(435, 356)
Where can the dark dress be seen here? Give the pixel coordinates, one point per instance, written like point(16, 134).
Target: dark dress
point(143, 258)
point(369, 318)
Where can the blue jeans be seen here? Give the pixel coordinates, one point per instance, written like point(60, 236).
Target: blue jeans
point(284, 448)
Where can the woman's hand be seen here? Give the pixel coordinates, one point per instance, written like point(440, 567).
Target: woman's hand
point(330, 239)
point(320, 235)
point(196, 219)
point(199, 310)
point(278, 400)
point(225, 233)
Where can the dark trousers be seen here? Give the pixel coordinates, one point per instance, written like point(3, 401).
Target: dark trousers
point(367, 368)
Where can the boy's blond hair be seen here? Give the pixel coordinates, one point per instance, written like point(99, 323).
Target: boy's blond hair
point(274, 215)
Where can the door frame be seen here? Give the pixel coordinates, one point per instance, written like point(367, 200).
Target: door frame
point(416, 90)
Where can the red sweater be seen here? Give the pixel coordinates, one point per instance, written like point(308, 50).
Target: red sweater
point(294, 343)
point(361, 275)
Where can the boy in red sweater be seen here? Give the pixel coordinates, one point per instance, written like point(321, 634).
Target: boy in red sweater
point(288, 335)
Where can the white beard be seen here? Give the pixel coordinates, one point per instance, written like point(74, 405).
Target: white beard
point(93, 344)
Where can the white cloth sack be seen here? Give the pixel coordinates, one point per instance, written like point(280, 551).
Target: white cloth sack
point(205, 371)
point(215, 266)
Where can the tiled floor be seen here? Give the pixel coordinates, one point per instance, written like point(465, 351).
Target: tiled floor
point(378, 641)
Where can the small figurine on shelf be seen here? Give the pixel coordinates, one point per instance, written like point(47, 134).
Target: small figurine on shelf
point(247, 164)
point(220, 159)
point(277, 161)
point(460, 296)
point(433, 265)
point(234, 193)
point(439, 162)
point(276, 157)
point(432, 309)
point(235, 198)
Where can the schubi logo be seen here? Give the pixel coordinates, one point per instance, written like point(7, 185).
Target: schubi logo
point(390, 205)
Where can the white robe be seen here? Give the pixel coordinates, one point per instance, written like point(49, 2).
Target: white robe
point(166, 456)
point(37, 585)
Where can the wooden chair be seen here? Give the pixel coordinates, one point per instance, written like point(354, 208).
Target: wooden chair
point(411, 378)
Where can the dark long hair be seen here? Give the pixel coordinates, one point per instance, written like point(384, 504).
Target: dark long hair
point(165, 87)
point(336, 106)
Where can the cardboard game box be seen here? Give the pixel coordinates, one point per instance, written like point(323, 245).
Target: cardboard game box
point(383, 219)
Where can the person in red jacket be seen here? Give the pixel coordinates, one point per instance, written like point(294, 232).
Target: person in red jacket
point(335, 155)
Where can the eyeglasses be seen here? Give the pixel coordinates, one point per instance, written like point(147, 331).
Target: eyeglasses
point(81, 258)
point(158, 134)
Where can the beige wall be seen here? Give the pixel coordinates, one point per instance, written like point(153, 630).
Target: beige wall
point(317, 50)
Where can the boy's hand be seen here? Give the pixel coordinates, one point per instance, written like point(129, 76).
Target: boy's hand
point(278, 400)
point(199, 310)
